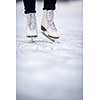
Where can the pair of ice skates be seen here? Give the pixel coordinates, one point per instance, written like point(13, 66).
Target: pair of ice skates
point(48, 28)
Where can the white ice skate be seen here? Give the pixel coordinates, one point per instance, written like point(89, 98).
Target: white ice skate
point(31, 26)
point(47, 25)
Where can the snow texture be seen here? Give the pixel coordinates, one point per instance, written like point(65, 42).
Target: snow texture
point(46, 70)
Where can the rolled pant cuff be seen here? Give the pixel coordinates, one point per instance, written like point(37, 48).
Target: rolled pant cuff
point(27, 12)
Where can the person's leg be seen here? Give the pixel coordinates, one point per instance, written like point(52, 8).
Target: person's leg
point(29, 6)
point(49, 4)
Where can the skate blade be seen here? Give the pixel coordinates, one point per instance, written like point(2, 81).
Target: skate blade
point(48, 37)
point(53, 37)
point(32, 38)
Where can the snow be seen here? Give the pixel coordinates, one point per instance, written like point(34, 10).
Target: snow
point(46, 70)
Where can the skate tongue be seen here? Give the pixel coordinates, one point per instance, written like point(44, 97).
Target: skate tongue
point(50, 14)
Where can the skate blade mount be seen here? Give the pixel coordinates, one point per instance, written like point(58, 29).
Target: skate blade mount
point(53, 40)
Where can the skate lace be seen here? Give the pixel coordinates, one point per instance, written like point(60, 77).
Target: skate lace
point(31, 22)
point(51, 22)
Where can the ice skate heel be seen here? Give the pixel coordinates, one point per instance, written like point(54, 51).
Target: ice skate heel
point(45, 33)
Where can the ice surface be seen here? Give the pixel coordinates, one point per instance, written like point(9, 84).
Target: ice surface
point(46, 70)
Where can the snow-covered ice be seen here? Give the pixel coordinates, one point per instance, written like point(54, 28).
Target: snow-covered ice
point(46, 70)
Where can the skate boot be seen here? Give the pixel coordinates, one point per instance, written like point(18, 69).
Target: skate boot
point(47, 25)
point(31, 26)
